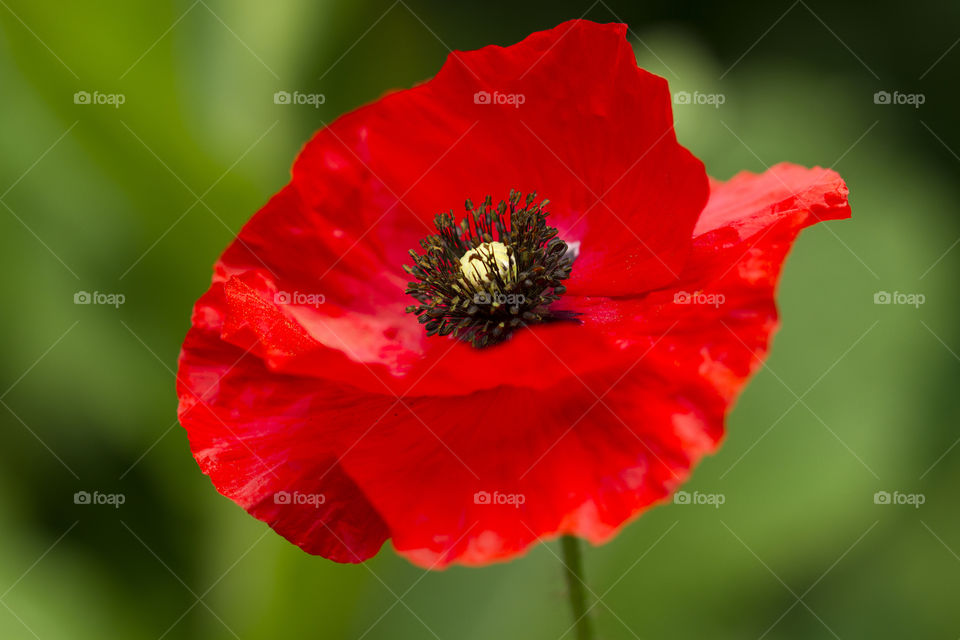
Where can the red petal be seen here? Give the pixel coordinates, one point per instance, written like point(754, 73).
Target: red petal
point(255, 435)
point(594, 136)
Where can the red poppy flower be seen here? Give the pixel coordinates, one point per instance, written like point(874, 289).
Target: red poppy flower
point(314, 399)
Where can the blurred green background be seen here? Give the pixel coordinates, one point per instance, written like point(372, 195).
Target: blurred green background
point(140, 199)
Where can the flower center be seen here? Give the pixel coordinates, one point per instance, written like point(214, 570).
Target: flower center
point(474, 264)
point(498, 269)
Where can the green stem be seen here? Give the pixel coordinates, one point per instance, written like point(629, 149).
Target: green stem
point(576, 587)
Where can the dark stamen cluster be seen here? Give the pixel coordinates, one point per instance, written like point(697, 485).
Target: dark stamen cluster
point(486, 310)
